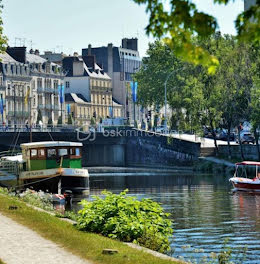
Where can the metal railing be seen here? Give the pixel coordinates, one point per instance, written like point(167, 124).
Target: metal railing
point(38, 128)
point(18, 114)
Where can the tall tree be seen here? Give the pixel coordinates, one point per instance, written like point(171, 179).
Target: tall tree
point(177, 21)
point(3, 38)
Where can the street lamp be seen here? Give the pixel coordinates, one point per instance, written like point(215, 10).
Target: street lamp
point(165, 97)
point(165, 100)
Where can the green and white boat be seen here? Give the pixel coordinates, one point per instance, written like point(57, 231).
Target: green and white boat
point(51, 166)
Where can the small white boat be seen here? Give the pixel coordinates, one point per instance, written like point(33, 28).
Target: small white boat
point(247, 176)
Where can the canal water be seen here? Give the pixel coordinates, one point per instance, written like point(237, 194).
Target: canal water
point(203, 208)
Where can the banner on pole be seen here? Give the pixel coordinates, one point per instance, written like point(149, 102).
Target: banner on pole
point(134, 86)
point(110, 109)
point(61, 93)
point(68, 109)
point(1, 105)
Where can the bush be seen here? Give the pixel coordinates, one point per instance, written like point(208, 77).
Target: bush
point(127, 219)
point(59, 123)
point(38, 199)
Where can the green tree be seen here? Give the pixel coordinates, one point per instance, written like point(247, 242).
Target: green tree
point(59, 123)
point(92, 121)
point(255, 94)
point(70, 119)
point(39, 117)
point(178, 21)
point(3, 38)
point(50, 122)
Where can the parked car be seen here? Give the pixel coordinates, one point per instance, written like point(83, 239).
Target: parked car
point(223, 135)
point(160, 129)
point(246, 138)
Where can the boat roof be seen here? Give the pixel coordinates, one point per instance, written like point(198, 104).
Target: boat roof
point(254, 163)
point(17, 158)
point(51, 144)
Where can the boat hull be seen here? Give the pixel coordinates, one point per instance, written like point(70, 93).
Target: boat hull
point(74, 180)
point(241, 184)
point(77, 185)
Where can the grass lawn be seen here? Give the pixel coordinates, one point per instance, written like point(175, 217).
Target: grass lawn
point(86, 245)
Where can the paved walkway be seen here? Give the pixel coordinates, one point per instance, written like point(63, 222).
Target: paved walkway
point(20, 245)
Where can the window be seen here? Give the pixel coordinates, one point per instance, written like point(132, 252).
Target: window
point(63, 152)
point(67, 84)
point(51, 153)
point(33, 153)
point(41, 153)
point(75, 152)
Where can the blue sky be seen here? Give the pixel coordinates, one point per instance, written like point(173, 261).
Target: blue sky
point(70, 25)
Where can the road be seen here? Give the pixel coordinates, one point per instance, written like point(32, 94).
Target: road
point(205, 142)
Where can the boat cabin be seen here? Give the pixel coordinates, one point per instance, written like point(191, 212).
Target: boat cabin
point(51, 154)
point(248, 168)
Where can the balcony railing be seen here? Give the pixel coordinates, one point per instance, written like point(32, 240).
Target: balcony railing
point(47, 90)
point(18, 114)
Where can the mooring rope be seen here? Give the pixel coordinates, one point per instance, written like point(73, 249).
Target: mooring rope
point(37, 181)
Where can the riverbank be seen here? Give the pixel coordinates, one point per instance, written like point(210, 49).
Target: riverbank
point(87, 246)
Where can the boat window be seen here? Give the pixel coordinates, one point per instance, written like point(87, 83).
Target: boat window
point(63, 152)
point(41, 153)
point(72, 151)
point(51, 153)
point(77, 152)
point(33, 153)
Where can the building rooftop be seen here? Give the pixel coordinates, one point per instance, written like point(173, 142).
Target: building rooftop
point(32, 58)
point(75, 98)
point(6, 58)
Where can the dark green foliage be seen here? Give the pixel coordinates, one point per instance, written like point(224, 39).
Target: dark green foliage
point(59, 121)
point(39, 116)
point(92, 121)
point(70, 119)
point(127, 219)
point(50, 122)
point(178, 21)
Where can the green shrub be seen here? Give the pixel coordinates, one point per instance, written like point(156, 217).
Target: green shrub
point(127, 219)
point(38, 199)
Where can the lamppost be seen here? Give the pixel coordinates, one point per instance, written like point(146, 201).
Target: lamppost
point(12, 89)
point(165, 98)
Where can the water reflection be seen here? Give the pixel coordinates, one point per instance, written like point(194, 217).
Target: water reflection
point(203, 208)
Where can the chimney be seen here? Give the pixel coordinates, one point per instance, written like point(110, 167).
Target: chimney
point(110, 60)
point(31, 51)
point(37, 52)
point(75, 54)
point(89, 49)
point(78, 68)
point(17, 53)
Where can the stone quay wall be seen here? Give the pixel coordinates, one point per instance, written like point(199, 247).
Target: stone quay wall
point(250, 151)
point(124, 148)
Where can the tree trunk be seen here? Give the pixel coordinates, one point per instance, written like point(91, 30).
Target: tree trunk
point(214, 136)
point(257, 144)
point(240, 144)
point(228, 138)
